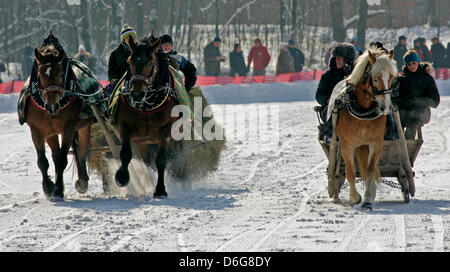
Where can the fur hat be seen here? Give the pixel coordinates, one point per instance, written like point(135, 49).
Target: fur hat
point(166, 38)
point(344, 50)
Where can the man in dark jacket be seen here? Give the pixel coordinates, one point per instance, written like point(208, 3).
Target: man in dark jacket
point(399, 51)
point(117, 64)
point(341, 65)
point(179, 62)
point(299, 58)
point(27, 62)
point(425, 51)
point(414, 93)
point(438, 53)
point(237, 62)
point(213, 57)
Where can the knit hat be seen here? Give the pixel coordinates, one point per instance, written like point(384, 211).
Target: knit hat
point(166, 38)
point(81, 48)
point(411, 58)
point(402, 38)
point(127, 31)
point(291, 42)
point(217, 39)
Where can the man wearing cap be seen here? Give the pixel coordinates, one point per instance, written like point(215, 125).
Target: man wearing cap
point(414, 92)
point(213, 57)
point(399, 51)
point(355, 41)
point(82, 55)
point(179, 62)
point(260, 57)
point(341, 65)
point(299, 58)
point(117, 64)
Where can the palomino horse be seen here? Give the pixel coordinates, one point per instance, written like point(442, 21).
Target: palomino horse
point(371, 80)
point(140, 122)
point(55, 110)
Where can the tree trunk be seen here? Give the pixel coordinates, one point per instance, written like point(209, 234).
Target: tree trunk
point(362, 23)
point(191, 9)
point(294, 19)
point(140, 17)
point(217, 17)
point(282, 20)
point(337, 20)
point(431, 11)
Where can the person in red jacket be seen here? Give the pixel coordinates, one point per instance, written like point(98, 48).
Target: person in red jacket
point(260, 57)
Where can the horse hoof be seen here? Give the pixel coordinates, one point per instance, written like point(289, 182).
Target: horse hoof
point(366, 206)
point(57, 197)
point(122, 177)
point(48, 189)
point(81, 186)
point(160, 195)
point(357, 201)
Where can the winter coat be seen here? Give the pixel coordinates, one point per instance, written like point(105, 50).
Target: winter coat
point(299, 58)
point(186, 67)
point(237, 64)
point(285, 63)
point(117, 64)
point(399, 52)
point(2, 68)
point(83, 58)
point(260, 57)
point(212, 66)
point(438, 53)
point(415, 93)
point(424, 53)
point(447, 60)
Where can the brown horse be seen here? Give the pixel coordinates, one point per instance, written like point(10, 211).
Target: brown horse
point(145, 126)
point(371, 79)
point(54, 110)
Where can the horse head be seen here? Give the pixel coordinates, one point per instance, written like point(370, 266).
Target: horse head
point(373, 73)
point(144, 64)
point(50, 74)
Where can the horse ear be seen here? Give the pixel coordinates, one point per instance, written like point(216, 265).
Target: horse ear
point(38, 56)
point(391, 54)
point(372, 58)
point(155, 46)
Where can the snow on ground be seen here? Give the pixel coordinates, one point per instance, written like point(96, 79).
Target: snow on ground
point(268, 194)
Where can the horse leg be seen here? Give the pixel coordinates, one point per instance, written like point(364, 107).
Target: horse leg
point(80, 147)
point(122, 175)
point(161, 161)
point(347, 155)
point(373, 174)
point(42, 162)
point(61, 164)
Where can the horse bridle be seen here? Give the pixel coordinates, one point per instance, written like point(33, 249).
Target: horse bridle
point(375, 92)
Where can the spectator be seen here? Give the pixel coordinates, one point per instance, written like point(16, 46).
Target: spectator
point(2, 69)
point(448, 56)
point(399, 51)
point(237, 62)
point(180, 63)
point(27, 62)
point(341, 65)
point(425, 50)
point(82, 55)
point(438, 53)
point(299, 58)
point(414, 93)
point(260, 57)
point(354, 41)
point(418, 49)
point(213, 57)
point(285, 61)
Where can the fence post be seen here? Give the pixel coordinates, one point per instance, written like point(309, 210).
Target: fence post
point(12, 87)
point(314, 77)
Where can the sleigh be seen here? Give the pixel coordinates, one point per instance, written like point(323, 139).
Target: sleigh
point(397, 158)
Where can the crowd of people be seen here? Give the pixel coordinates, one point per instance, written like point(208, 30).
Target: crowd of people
point(289, 60)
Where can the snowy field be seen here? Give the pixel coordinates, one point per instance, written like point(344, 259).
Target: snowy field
point(267, 195)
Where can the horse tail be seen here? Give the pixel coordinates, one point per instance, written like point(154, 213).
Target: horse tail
point(362, 155)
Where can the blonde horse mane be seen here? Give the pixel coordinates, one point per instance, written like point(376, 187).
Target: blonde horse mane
point(383, 63)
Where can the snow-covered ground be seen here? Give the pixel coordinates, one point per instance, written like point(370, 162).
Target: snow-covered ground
point(267, 195)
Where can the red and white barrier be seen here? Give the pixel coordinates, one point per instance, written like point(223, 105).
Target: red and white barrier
point(16, 86)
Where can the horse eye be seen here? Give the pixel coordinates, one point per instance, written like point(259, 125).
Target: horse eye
point(376, 80)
